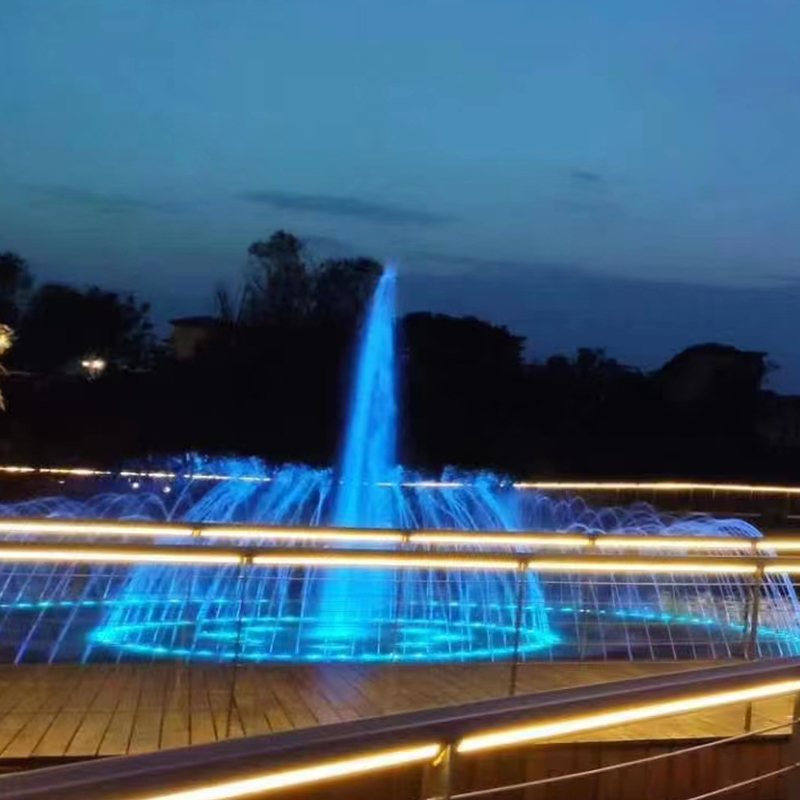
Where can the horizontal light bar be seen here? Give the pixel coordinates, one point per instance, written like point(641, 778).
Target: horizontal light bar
point(650, 567)
point(506, 737)
point(302, 776)
point(529, 540)
point(392, 562)
point(107, 556)
point(789, 568)
point(304, 534)
point(651, 486)
point(500, 539)
point(654, 486)
point(778, 544)
point(91, 528)
point(634, 542)
point(398, 559)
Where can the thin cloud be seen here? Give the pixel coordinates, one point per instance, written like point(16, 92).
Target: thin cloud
point(102, 202)
point(586, 176)
point(352, 207)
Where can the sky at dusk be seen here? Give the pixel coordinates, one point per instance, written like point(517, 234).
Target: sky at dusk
point(622, 174)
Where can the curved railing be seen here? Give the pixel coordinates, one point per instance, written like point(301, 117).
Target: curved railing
point(422, 754)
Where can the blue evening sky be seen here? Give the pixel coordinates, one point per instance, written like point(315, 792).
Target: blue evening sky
point(619, 173)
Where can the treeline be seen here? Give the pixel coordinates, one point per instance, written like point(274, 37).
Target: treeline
point(272, 378)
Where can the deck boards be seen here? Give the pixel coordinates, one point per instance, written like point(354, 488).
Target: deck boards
point(61, 710)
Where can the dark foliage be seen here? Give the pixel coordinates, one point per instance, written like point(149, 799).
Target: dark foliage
point(272, 380)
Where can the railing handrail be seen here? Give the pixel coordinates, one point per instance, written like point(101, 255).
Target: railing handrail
point(227, 760)
point(525, 540)
point(586, 561)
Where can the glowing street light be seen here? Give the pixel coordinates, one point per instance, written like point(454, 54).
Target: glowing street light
point(6, 340)
point(93, 366)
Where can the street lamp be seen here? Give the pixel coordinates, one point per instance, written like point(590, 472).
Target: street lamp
point(93, 366)
point(6, 340)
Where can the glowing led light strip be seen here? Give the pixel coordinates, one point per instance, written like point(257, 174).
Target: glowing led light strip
point(506, 737)
point(116, 556)
point(99, 528)
point(284, 779)
point(303, 534)
point(531, 540)
point(777, 544)
point(649, 567)
point(356, 560)
point(787, 568)
point(634, 542)
point(656, 486)
point(397, 560)
point(500, 539)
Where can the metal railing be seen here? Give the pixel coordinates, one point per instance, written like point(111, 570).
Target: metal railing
point(634, 603)
point(436, 746)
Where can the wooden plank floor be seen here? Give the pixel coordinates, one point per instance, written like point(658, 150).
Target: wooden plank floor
point(91, 710)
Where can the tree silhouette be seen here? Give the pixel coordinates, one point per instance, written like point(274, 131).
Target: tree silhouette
point(285, 287)
point(15, 286)
point(63, 324)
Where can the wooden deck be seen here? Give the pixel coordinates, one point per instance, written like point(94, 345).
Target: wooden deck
point(105, 710)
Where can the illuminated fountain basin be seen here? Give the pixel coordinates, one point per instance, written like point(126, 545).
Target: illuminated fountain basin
point(52, 612)
point(268, 615)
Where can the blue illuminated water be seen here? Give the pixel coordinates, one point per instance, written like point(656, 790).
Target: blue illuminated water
point(260, 614)
point(350, 599)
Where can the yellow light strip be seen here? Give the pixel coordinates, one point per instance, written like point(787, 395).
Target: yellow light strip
point(635, 542)
point(284, 779)
point(649, 567)
point(99, 528)
point(500, 539)
point(655, 486)
point(304, 534)
point(777, 544)
point(116, 556)
point(370, 561)
point(506, 737)
point(790, 568)
point(530, 540)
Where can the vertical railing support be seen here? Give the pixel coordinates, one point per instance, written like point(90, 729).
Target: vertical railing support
point(242, 570)
point(437, 781)
point(751, 645)
point(751, 634)
point(793, 754)
point(522, 586)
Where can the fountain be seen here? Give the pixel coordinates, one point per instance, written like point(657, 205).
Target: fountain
point(289, 614)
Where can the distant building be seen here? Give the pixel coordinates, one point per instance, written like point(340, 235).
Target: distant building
point(191, 334)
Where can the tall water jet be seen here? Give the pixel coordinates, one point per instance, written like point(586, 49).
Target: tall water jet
point(352, 601)
point(370, 445)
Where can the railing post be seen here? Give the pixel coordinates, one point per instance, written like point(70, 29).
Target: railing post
point(242, 571)
point(437, 782)
point(751, 645)
point(751, 642)
point(522, 585)
point(793, 754)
